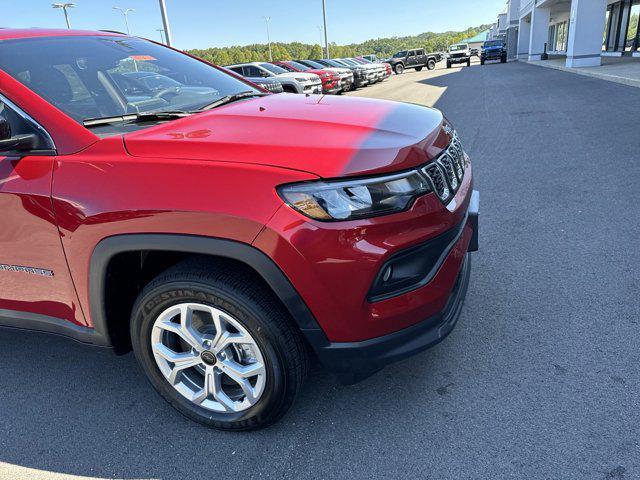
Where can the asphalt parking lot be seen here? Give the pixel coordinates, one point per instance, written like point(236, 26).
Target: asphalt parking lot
point(540, 380)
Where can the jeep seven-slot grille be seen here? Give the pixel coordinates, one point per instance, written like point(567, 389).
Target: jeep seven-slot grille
point(446, 171)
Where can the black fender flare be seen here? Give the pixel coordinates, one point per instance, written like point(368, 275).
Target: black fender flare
point(108, 248)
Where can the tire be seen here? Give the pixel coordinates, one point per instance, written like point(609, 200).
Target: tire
point(399, 69)
point(503, 59)
point(448, 64)
point(418, 69)
point(431, 65)
point(469, 63)
point(289, 89)
point(482, 61)
point(245, 307)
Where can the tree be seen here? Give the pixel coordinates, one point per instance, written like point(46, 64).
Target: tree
point(382, 47)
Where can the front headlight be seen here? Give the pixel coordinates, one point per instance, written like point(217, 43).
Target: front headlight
point(353, 199)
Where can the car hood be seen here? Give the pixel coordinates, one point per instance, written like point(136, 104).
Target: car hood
point(340, 70)
point(328, 136)
point(294, 75)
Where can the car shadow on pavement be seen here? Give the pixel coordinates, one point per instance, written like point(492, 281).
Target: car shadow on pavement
point(71, 409)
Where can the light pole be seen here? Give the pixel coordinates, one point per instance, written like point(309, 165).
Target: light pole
point(161, 31)
point(326, 38)
point(320, 32)
point(125, 12)
point(64, 7)
point(165, 22)
point(267, 20)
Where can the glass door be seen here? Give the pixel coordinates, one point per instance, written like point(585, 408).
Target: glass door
point(631, 43)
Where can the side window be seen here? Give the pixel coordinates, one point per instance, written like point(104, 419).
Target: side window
point(253, 71)
point(419, 52)
point(412, 53)
point(238, 70)
point(20, 125)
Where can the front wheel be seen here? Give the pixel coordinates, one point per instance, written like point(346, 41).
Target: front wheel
point(448, 64)
point(469, 63)
point(418, 69)
point(399, 69)
point(482, 61)
point(218, 346)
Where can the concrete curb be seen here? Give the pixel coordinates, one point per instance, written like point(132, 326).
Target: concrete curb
point(587, 73)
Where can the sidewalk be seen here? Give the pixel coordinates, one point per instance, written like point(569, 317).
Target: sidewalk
point(623, 70)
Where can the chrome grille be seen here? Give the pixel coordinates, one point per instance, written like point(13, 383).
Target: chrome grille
point(446, 162)
point(447, 171)
point(438, 179)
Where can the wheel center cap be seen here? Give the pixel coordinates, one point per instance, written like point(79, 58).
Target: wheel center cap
point(208, 357)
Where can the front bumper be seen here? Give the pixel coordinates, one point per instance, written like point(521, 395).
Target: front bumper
point(332, 88)
point(459, 59)
point(315, 88)
point(492, 55)
point(354, 361)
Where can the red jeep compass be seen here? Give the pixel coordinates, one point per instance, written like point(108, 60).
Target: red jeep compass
point(224, 233)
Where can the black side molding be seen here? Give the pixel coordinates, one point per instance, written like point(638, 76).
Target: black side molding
point(45, 324)
point(191, 244)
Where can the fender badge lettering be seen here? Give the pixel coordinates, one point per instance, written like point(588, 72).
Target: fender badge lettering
point(30, 270)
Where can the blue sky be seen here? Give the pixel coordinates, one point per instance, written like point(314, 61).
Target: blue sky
point(204, 23)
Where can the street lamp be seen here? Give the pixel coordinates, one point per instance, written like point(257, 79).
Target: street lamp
point(326, 38)
point(165, 22)
point(320, 32)
point(64, 7)
point(267, 20)
point(125, 12)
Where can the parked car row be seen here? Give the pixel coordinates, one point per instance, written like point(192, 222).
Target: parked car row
point(328, 76)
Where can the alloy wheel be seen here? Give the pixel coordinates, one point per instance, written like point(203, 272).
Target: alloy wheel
point(208, 357)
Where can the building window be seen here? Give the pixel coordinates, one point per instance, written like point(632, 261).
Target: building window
point(561, 37)
point(631, 43)
point(607, 25)
point(551, 41)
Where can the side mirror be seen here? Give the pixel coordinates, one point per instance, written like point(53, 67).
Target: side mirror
point(9, 143)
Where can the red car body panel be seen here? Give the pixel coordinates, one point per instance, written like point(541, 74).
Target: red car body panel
point(334, 265)
point(214, 174)
point(30, 238)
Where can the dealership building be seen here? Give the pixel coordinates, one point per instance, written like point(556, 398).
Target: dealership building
point(582, 31)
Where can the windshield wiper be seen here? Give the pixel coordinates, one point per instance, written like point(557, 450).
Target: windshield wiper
point(232, 98)
point(136, 118)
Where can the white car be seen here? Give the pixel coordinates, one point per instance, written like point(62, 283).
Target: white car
point(292, 82)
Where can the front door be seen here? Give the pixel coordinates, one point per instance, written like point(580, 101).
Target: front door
point(35, 284)
point(411, 59)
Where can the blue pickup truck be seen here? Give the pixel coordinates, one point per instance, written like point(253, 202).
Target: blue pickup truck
point(493, 50)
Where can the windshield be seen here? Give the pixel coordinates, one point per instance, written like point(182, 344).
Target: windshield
point(493, 43)
point(104, 76)
point(312, 64)
point(273, 68)
point(400, 54)
point(299, 66)
point(457, 48)
point(349, 62)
